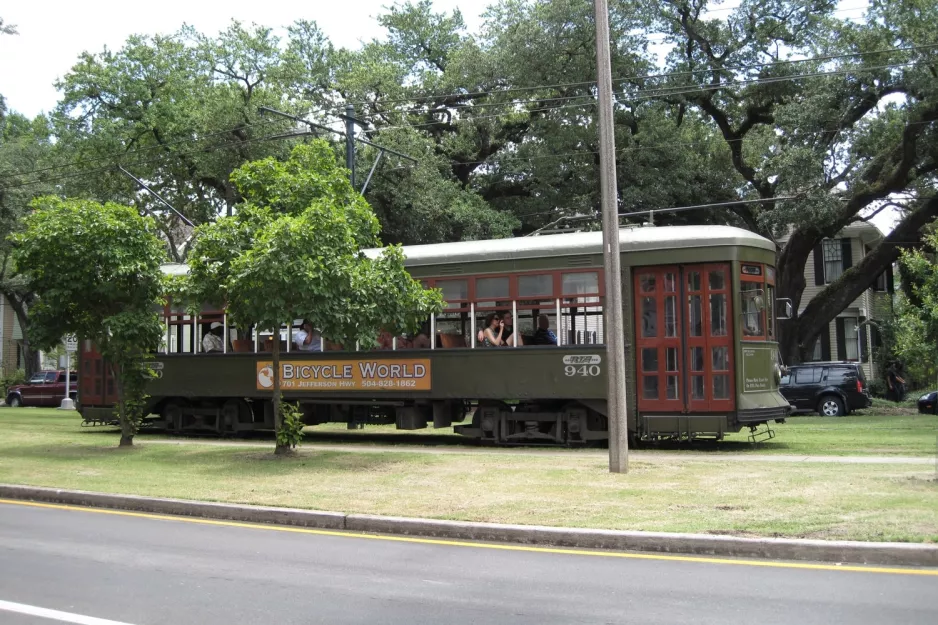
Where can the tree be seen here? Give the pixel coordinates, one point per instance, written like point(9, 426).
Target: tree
point(917, 314)
point(844, 129)
point(294, 250)
point(95, 269)
point(181, 112)
point(25, 146)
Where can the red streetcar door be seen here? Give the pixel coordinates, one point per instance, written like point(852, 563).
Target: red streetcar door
point(658, 339)
point(709, 337)
point(683, 337)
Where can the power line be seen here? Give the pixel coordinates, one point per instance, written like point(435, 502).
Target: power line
point(647, 95)
point(738, 68)
point(111, 168)
point(117, 155)
point(660, 92)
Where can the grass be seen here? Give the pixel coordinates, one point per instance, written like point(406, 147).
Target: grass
point(818, 500)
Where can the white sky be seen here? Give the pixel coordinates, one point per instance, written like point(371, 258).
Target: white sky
point(52, 33)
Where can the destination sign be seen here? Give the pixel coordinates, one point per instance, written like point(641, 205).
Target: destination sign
point(412, 374)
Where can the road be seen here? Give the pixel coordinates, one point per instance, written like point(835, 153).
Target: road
point(143, 570)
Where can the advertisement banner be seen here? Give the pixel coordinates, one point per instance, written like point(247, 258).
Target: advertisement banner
point(359, 374)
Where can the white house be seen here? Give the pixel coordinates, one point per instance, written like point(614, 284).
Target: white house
point(854, 331)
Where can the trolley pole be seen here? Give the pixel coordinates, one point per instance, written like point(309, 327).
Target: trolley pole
point(615, 339)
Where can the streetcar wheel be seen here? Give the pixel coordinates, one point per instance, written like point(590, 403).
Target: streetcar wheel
point(831, 406)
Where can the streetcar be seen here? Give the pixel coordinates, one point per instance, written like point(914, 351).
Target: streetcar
point(700, 337)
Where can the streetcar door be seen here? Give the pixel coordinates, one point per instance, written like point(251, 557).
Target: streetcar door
point(709, 337)
point(684, 349)
point(658, 339)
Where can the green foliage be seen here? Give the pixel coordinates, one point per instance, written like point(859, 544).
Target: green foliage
point(290, 433)
point(916, 322)
point(17, 377)
point(96, 271)
point(293, 250)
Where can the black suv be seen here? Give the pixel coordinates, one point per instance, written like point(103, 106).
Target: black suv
point(832, 389)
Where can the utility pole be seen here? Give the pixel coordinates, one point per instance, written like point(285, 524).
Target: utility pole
point(350, 141)
point(615, 339)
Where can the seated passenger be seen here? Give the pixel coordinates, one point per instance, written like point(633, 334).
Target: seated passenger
point(422, 339)
point(385, 340)
point(493, 325)
point(510, 335)
point(307, 339)
point(544, 335)
point(213, 342)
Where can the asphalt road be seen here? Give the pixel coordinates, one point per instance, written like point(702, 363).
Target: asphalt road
point(148, 571)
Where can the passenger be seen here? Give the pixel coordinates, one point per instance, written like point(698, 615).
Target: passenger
point(213, 342)
point(510, 335)
point(307, 339)
point(422, 340)
point(385, 341)
point(509, 330)
point(544, 335)
point(493, 324)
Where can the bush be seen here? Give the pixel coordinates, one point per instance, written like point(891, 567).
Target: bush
point(17, 377)
point(291, 427)
point(877, 388)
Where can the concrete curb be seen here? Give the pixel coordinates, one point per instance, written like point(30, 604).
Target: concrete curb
point(890, 554)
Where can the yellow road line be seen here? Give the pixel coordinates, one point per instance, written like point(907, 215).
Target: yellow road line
point(480, 545)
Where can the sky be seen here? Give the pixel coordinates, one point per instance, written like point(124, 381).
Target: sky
point(53, 33)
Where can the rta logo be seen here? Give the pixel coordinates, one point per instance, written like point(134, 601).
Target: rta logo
point(592, 359)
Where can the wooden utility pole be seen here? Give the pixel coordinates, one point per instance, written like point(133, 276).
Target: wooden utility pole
point(615, 339)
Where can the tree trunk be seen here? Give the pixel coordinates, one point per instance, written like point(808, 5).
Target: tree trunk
point(275, 351)
point(127, 428)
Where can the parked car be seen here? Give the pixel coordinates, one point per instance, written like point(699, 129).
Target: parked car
point(45, 388)
point(832, 389)
point(928, 403)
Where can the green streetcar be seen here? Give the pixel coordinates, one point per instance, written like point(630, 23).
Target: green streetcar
point(700, 327)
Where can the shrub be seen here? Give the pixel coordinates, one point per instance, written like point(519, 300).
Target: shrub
point(17, 377)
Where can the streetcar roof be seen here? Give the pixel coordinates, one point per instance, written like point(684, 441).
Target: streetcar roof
point(636, 239)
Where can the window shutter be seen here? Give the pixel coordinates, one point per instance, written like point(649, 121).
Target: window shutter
point(877, 338)
point(846, 253)
point(818, 266)
point(890, 280)
point(826, 343)
point(841, 339)
point(864, 345)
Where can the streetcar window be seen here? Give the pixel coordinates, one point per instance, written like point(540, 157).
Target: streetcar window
point(491, 291)
point(530, 286)
point(753, 305)
point(454, 292)
point(717, 314)
point(580, 283)
point(770, 312)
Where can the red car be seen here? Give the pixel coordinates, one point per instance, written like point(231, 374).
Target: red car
point(45, 388)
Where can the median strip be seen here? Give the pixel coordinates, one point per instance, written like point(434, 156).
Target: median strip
point(890, 554)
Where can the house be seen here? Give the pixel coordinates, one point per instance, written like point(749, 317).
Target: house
point(11, 340)
point(852, 334)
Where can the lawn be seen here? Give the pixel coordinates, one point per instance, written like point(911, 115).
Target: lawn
point(817, 500)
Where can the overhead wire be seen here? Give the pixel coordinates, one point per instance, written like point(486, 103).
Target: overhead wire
point(655, 94)
point(646, 94)
point(735, 68)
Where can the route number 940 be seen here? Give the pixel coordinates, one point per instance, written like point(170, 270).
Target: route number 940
point(586, 371)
